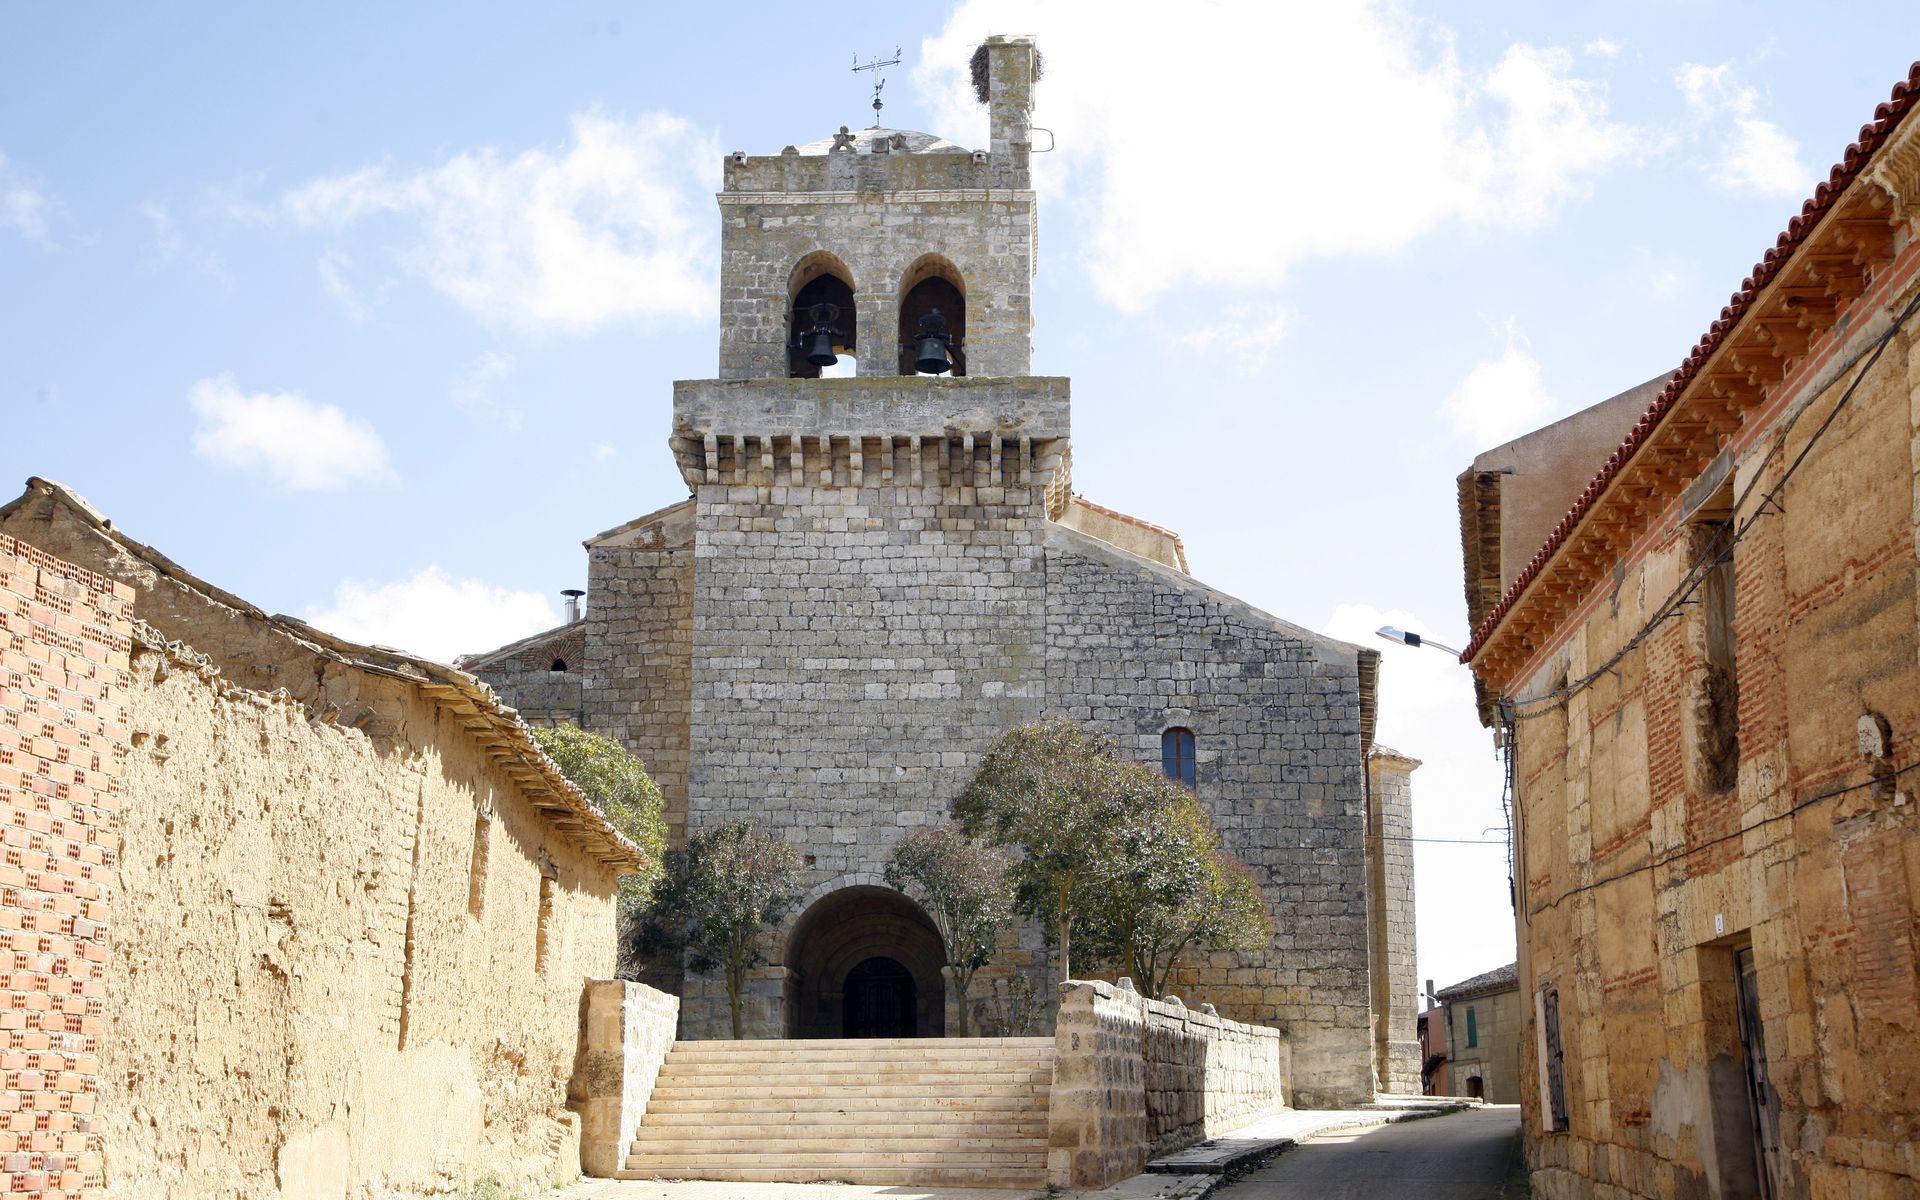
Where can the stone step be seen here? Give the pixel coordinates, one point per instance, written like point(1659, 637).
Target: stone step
point(950, 1175)
point(783, 1147)
point(877, 1121)
point(771, 1048)
point(803, 1090)
point(910, 1104)
point(733, 1064)
point(799, 1162)
point(968, 1081)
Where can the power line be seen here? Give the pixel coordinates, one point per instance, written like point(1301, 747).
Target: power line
point(1690, 851)
point(1517, 710)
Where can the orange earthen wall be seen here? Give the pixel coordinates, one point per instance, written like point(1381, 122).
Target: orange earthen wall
point(64, 646)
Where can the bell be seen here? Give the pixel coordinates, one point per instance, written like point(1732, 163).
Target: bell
point(820, 348)
point(932, 357)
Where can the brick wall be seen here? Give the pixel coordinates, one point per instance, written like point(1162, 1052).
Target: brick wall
point(63, 738)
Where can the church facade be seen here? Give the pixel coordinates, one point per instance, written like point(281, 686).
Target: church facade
point(875, 576)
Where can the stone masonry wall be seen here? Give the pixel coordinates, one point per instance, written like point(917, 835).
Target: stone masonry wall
point(1396, 975)
point(1643, 873)
point(986, 236)
point(64, 649)
point(639, 661)
point(1136, 1078)
point(857, 650)
point(627, 1030)
point(1137, 648)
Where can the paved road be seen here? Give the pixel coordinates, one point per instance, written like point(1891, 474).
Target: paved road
point(1460, 1157)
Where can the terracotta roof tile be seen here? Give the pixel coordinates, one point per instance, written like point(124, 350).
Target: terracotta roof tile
point(1886, 117)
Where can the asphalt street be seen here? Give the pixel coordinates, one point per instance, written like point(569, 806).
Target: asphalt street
point(1465, 1156)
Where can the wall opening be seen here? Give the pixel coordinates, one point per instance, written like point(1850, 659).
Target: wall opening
point(1473, 1028)
point(819, 279)
point(1177, 756)
point(1475, 1088)
point(543, 928)
point(845, 959)
point(880, 1001)
point(1715, 692)
point(559, 666)
point(932, 283)
point(477, 865)
point(1553, 1063)
point(1745, 1109)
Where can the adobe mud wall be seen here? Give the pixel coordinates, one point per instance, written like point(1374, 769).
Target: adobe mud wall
point(345, 963)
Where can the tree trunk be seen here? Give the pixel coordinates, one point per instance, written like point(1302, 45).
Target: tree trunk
point(1066, 934)
point(960, 985)
point(733, 1000)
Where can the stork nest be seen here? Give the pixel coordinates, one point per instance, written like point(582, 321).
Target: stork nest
point(978, 64)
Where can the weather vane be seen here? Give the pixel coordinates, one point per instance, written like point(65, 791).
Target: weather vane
point(879, 81)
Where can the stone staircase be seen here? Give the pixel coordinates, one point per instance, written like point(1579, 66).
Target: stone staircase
point(929, 1112)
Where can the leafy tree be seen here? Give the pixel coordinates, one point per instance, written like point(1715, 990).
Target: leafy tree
point(719, 893)
point(1173, 889)
point(963, 885)
point(1058, 793)
point(619, 786)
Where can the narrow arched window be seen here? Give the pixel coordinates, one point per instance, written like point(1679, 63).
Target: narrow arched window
point(932, 283)
point(1176, 755)
point(559, 664)
point(820, 316)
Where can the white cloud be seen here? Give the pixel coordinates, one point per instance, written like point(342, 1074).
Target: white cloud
point(432, 614)
point(333, 267)
point(612, 225)
point(473, 392)
point(1501, 398)
point(170, 244)
point(1239, 141)
point(24, 208)
point(1463, 913)
point(1246, 334)
point(1602, 48)
point(305, 447)
point(602, 450)
point(1755, 154)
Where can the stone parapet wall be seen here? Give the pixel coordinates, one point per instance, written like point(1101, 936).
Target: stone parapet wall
point(1135, 1078)
point(627, 1030)
point(64, 649)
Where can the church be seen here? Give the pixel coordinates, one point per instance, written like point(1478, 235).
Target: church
point(874, 576)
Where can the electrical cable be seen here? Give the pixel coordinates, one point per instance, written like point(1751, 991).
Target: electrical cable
point(1529, 708)
point(1690, 851)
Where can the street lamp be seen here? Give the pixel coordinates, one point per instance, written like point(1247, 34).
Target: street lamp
point(1413, 639)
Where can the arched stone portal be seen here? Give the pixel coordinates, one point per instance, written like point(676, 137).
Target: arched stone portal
point(865, 962)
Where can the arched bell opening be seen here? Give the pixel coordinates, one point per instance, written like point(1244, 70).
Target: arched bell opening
point(821, 323)
point(865, 962)
point(933, 317)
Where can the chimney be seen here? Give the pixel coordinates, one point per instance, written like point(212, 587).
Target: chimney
point(1431, 998)
point(573, 603)
point(1010, 63)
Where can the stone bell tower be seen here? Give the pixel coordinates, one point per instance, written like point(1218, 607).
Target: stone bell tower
point(868, 583)
point(884, 224)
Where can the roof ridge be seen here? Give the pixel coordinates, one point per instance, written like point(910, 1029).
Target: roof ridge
point(1887, 118)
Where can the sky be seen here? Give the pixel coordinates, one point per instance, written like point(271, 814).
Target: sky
point(369, 313)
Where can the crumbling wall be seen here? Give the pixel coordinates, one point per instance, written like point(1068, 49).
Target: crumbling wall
point(63, 684)
point(348, 961)
point(1644, 871)
point(1135, 1078)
